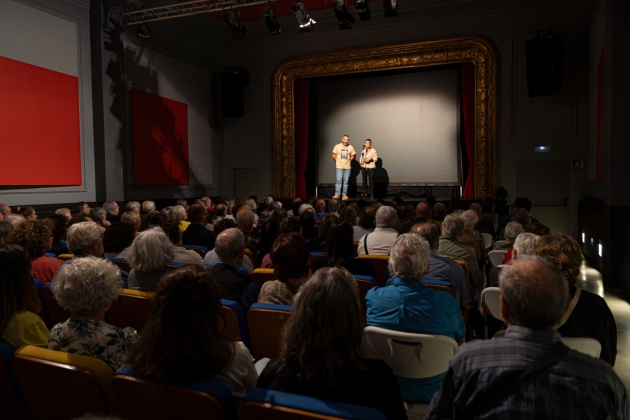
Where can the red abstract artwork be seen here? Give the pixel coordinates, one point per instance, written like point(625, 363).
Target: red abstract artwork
point(160, 140)
point(40, 129)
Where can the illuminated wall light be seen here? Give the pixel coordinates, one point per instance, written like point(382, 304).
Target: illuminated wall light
point(583, 237)
point(592, 241)
point(542, 149)
point(601, 249)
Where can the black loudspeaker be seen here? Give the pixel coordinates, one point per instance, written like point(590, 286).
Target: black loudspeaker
point(233, 81)
point(545, 59)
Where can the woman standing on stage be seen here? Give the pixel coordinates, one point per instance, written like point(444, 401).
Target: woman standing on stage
point(368, 163)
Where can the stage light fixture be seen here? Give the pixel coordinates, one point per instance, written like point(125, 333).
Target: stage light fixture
point(391, 8)
point(346, 20)
point(235, 26)
point(144, 32)
point(363, 9)
point(303, 18)
point(271, 20)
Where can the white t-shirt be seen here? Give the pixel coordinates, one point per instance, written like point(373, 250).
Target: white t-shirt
point(344, 155)
point(369, 155)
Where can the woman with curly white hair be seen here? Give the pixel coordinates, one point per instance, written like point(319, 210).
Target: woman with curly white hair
point(87, 287)
point(148, 254)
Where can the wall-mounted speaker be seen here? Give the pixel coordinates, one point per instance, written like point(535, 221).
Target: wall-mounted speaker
point(545, 59)
point(233, 81)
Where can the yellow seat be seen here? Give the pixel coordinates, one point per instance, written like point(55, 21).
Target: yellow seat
point(266, 322)
point(131, 309)
point(65, 257)
point(56, 313)
point(261, 275)
point(58, 385)
point(380, 263)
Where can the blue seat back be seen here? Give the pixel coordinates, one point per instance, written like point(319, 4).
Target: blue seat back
point(242, 322)
point(272, 307)
point(201, 247)
point(366, 278)
point(50, 254)
point(251, 407)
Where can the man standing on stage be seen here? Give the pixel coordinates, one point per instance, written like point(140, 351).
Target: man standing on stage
point(368, 163)
point(343, 154)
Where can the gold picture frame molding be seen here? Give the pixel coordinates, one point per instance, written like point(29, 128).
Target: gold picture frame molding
point(476, 50)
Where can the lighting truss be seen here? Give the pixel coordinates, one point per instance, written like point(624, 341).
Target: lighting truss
point(136, 17)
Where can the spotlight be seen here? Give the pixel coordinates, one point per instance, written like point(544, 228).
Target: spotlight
point(346, 20)
point(272, 22)
point(301, 15)
point(363, 9)
point(391, 8)
point(232, 22)
point(144, 32)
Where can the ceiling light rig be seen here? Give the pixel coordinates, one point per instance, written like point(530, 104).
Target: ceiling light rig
point(391, 8)
point(235, 26)
point(346, 20)
point(363, 9)
point(270, 19)
point(303, 18)
point(144, 32)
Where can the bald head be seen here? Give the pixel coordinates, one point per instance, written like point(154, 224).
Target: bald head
point(534, 294)
point(423, 210)
point(229, 246)
point(245, 219)
point(428, 231)
point(320, 205)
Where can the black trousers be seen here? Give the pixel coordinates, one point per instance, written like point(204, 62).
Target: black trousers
point(368, 172)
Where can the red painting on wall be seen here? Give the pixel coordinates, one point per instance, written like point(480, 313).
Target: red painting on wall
point(160, 140)
point(40, 127)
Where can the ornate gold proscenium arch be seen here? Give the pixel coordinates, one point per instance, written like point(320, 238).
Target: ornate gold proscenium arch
point(476, 50)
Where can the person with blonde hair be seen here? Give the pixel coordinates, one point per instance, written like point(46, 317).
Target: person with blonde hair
point(87, 287)
point(323, 353)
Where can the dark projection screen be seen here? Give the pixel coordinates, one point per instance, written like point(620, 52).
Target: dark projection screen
point(412, 120)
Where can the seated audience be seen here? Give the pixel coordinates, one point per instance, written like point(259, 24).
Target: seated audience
point(323, 353)
point(172, 230)
point(333, 206)
point(450, 247)
point(307, 207)
point(117, 238)
point(319, 243)
point(148, 255)
point(422, 213)
point(87, 287)
point(470, 239)
point(112, 209)
point(84, 239)
point(99, 216)
point(439, 212)
point(147, 208)
point(232, 284)
point(484, 225)
point(522, 247)
point(4, 211)
point(307, 220)
point(512, 231)
point(486, 378)
point(269, 233)
point(349, 214)
point(588, 314)
point(133, 218)
point(403, 219)
point(289, 255)
point(60, 230)
point(253, 205)
point(340, 251)
point(81, 208)
point(366, 223)
point(211, 257)
point(170, 350)
point(409, 306)
point(320, 209)
point(133, 206)
point(64, 212)
point(36, 237)
point(15, 219)
point(28, 212)
point(519, 215)
point(445, 269)
point(5, 230)
point(196, 233)
point(245, 222)
point(19, 300)
point(179, 214)
point(380, 241)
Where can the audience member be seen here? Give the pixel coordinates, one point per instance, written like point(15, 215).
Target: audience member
point(340, 251)
point(423, 211)
point(232, 283)
point(99, 216)
point(112, 209)
point(182, 202)
point(37, 237)
point(117, 238)
point(323, 353)
point(320, 209)
point(439, 212)
point(523, 247)
point(290, 224)
point(59, 234)
point(133, 218)
point(84, 239)
point(319, 243)
point(367, 216)
point(307, 220)
point(450, 247)
point(28, 212)
point(81, 207)
point(172, 230)
point(148, 256)
point(333, 207)
point(512, 231)
point(178, 213)
point(486, 378)
point(484, 225)
point(246, 224)
point(401, 212)
point(253, 205)
point(588, 314)
point(307, 207)
point(87, 287)
point(147, 208)
point(5, 230)
point(221, 212)
point(15, 219)
point(380, 241)
point(349, 214)
point(211, 257)
point(133, 206)
point(170, 350)
point(4, 211)
point(64, 212)
point(289, 255)
point(445, 269)
point(196, 233)
point(19, 300)
point(409, 306)
point(471, 240)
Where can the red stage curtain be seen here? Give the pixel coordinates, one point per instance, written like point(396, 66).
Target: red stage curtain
point(301, 135)
point(468, 108)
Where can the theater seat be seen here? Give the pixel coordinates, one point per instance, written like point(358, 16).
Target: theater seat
point(380, 263)
point(265, 328)
point(11, 401)
point(236, 324)
point(58, 385)
point(199, 249)
point(121, 263)
point(131, 309)
point(261, 275)
point(56, 313)
point(266, 404)
point(140, 398)
point(364, 283)
point(65, 257)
